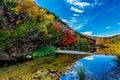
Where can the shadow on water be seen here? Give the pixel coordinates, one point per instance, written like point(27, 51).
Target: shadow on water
point(4, 63)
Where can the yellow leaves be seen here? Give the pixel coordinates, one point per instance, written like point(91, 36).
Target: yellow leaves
point(33, 11)
point(18, 22)
point(43, 11)
point(47, 16)
point(24, 2)
point(50, 16)
point(17, 8)
point(117, 47)
point(43, 29)
point(30, 7)
point(27, 5)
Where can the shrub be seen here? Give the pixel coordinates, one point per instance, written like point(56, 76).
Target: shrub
point(78, 47)
point(117, 48)
point(43, 52)
point(4, 38)
point(68, 38)
point(1, 22)
point(10, 4)
point(84, 41)
point(1, 2)
point(64, 48)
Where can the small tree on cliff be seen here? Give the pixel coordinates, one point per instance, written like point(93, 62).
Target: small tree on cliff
point(68, 39)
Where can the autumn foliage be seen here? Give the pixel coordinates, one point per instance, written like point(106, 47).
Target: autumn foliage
point(68, 38)
point(29, 25)
point(56, 27)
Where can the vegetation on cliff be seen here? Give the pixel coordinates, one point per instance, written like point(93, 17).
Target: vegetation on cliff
point(112, 43)
point(25, 28)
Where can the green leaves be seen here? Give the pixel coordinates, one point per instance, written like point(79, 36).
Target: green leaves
point(1, 22)
point(4, 38)
point(10, 4)
point(43, 52)
point(84, 41)
point(81, 74)
point(1, 2)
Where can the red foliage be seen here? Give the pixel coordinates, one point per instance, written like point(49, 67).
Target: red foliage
point(69, 38)
point(56, 26)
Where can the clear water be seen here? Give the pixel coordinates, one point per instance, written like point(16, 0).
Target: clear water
point(44, 68)
point(96, 67)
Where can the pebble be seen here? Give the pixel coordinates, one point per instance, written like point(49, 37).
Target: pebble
point(28, 56)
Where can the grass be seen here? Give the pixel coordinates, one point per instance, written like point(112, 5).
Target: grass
point(81, 74)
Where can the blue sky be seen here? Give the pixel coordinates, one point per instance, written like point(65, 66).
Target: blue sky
point(91, 17)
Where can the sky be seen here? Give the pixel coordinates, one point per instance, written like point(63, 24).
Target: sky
point(90, 17)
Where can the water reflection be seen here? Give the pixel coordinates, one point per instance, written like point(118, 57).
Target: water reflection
point(97, 67)
point(88, 48)
point(104, 51)
point(97, 50)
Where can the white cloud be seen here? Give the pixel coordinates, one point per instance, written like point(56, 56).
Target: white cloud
point(70, 1)
point(78, 3)
point(73, 19)
point(76, 10)
point(82, 4)
point(88, 33)
point(108, 27)
point(78, 27)
point(75, 14)
point(101, 3)
point(64, 20)
point(111, 9)
point(78, 6)
point(119, 23)
point(89, 58)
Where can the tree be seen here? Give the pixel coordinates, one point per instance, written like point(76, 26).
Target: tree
point(68, 38)
point(56, 27)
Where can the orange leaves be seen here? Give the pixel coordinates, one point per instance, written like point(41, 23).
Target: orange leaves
point(56, 27)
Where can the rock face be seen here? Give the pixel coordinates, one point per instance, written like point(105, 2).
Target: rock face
point(9, 18)
point(3, 18)
point(34, 24)
point(6, 17)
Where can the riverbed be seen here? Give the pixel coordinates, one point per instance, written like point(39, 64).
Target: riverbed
point(62, 66)
point(45, 68)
